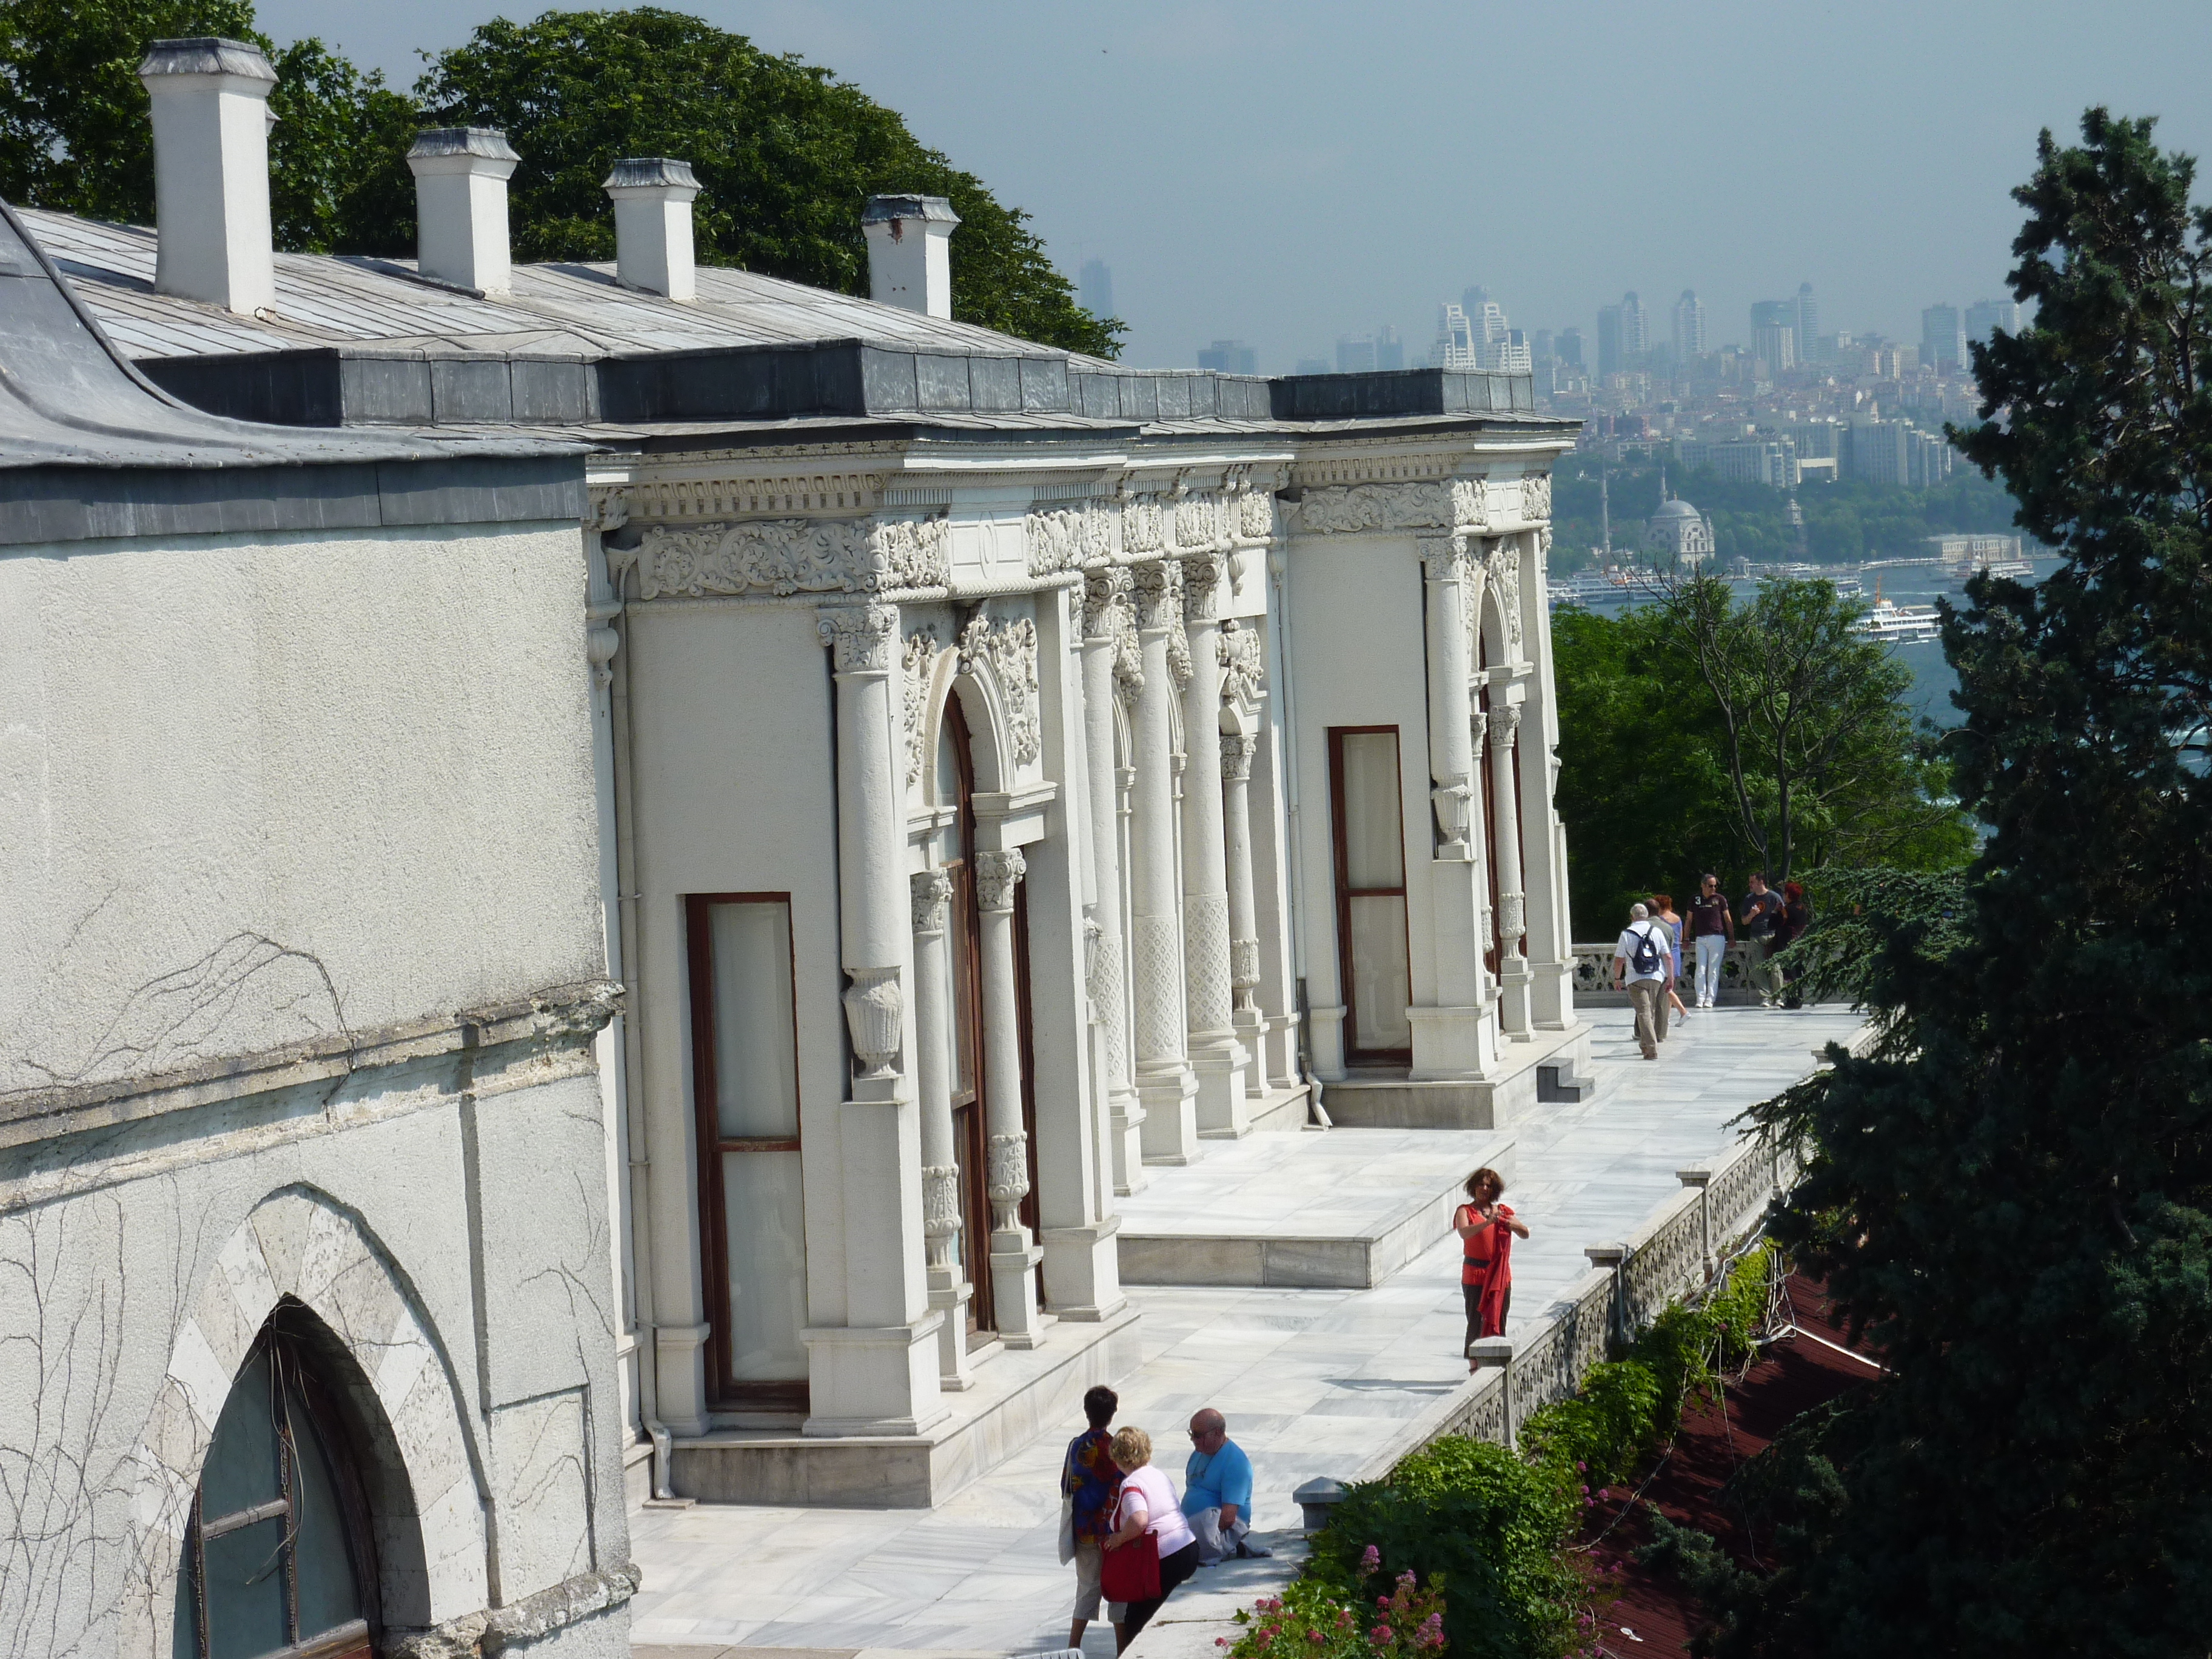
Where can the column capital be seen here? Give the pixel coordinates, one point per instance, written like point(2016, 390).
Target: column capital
point(1201, 576)
point(933, 893)
point(1104, 592)
point(1154, 593)
point(1505, 723)
point(862, 638)
point(1236, 750)
point(996, 876)
point(1443, 558)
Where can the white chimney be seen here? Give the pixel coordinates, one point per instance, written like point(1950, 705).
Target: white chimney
point(909, 264)
point(210, 99)
point(460, 206)
point(652, 198)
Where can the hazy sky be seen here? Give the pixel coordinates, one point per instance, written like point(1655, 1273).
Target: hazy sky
point(1287, 172)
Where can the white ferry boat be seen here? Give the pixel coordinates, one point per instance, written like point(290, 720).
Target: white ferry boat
point(1901, 624)
point(2018, 570)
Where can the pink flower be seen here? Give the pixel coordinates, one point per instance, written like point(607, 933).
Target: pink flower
point(1382, 1635)
point(1407, 1577)
point(1381, 1600)
point(1221, 1641)
point(1313, 1635)
point(1581, 1467)
point(1370, 1559)
point(1606, 1492)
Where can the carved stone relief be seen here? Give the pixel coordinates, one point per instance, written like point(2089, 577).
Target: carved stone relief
point(916, 658)
point(1504, 567)
point(1536, 498)
point(1009, 644)
point(794, 555)
point(1255, 515)
point(1243, 663)
point(1339, 510)
point(1069, 537)
point(1196, 523)
point(996, 876)
point(859, 636)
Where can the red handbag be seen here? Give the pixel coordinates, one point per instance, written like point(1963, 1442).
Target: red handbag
point(1131, 1573)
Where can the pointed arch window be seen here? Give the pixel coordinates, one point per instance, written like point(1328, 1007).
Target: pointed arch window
point(275, 1558)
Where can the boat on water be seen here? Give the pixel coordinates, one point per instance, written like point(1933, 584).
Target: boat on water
point(2018, 570)
point(1901, 624)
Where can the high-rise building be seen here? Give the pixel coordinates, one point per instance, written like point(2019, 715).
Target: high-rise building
point(1540, 345)
point(1808, 322)
point(1311, 365)
point(1094, 287)
point(1608, 341)
point(1456, 346)
point(1985, 316)
point(1942, 338)
point(1355, 354)
point(1568, 347)
point(1689, 328)
point(1508, 354)
point(1390, 349)
point(1635, 331)
point(1774, 334)
point(1230, 357)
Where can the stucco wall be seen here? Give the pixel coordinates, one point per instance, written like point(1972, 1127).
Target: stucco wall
point(255, 790)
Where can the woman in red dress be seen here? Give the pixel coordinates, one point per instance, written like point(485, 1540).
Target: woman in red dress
point(1486, 1231)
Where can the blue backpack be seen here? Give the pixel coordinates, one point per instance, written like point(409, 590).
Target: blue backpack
point(1644, 955)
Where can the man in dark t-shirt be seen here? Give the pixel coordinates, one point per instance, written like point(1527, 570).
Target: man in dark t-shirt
point(1712, 930)
point(1762, 913)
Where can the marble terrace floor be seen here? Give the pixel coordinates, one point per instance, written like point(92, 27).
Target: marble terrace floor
point(1310, 1381)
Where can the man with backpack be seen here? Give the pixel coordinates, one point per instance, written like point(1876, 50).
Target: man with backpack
point(1644, 960)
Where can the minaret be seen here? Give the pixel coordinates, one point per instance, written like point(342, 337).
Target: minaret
point(1605, 514)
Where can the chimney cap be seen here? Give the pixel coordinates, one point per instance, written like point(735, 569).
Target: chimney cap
point(206, 54)
point(651, 173)
point(889, 210)
point(489, 142)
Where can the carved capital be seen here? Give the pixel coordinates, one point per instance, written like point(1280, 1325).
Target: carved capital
point(1236, 750)
point(932, 894)
point(1201, 576)
point(1504, 725)
point(1154, 594)
point(1105, 595)
point(1443, 558)
point(1006, 1179)
point(940, 1210)
point(996, 875)
point(860, 637)
point(873, 1005)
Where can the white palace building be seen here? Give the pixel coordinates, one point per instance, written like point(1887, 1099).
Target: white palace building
point(1011, 773)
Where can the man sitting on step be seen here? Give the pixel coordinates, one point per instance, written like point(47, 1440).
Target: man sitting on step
point(1217, 1496)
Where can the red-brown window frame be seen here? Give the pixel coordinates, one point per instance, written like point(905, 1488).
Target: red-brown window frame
point(1346, 893)
point(713, 1216)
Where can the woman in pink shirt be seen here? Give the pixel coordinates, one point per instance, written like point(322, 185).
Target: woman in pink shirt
point(1148, 1517)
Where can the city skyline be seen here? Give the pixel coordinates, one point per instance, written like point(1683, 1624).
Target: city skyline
point(1888, 191)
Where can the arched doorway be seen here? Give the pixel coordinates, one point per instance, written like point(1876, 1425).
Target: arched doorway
point(954, 789)
point(277, 1553)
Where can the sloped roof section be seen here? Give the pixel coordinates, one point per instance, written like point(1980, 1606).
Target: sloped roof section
point(88, 446)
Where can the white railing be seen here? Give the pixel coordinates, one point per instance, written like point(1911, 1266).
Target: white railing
point(1593, 970)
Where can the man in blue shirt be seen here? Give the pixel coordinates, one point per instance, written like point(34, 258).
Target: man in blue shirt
point(1217, 1494)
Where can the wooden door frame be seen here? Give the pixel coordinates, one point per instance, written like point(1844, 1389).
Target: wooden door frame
point(1339, 858)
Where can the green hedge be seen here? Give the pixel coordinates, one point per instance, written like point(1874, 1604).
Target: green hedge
point(1488, 1529)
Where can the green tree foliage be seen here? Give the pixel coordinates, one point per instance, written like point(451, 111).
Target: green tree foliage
point(786, 155)
point(1785, 744)
point(2017, 1198)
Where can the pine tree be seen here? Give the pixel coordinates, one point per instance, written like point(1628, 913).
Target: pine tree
point(2016, 1194)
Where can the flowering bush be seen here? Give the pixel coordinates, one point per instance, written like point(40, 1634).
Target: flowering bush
point(1312, 1619)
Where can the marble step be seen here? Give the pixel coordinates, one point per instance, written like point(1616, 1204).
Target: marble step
point(1342, 1211)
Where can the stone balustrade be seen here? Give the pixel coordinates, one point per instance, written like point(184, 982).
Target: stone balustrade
point(1593, 970)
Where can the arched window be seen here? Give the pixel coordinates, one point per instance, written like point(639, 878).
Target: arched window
point(274, 1559)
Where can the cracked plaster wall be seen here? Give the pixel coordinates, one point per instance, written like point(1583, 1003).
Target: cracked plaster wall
point(260, 789)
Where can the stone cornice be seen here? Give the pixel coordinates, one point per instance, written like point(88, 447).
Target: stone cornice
point(562, 1015)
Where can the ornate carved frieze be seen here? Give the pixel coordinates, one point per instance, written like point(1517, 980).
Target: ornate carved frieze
point(933, 893)
point(607, 508)
point(996, 876)
point(1197, 523)
point(860, 636)
point(1072, 537)
point(916, 658)
point(1536, 498)
point(1141, 526)
point(873, 1004)
point(1009, 645)
point(697, 498)
point(1442, 504)
point(783, 556)
point(1243, 663)
point(1255, 515)
point(1502, 567)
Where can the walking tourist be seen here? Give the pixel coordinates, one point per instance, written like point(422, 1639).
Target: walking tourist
point(1762, 914)
point(1640, 961)
point(1712, 930)
point(1486, 1229)
point(1796, 917)
point(1663, 912)
point(1217, 1492)
point(1090, 1481)
point(1147, 1520)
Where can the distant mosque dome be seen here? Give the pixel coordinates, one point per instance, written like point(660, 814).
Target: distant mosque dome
point(1678, 531)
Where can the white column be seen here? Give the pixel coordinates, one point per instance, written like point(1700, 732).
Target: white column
point(1236, 750)
point(1105, 613)
point(949, 1289)
point(876, 1373)
point(1549, 945)
point(1506, 803)
point(1165, 1080)
point(1453, 1038)
point(1014, 1254)
point(1216, 1054)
